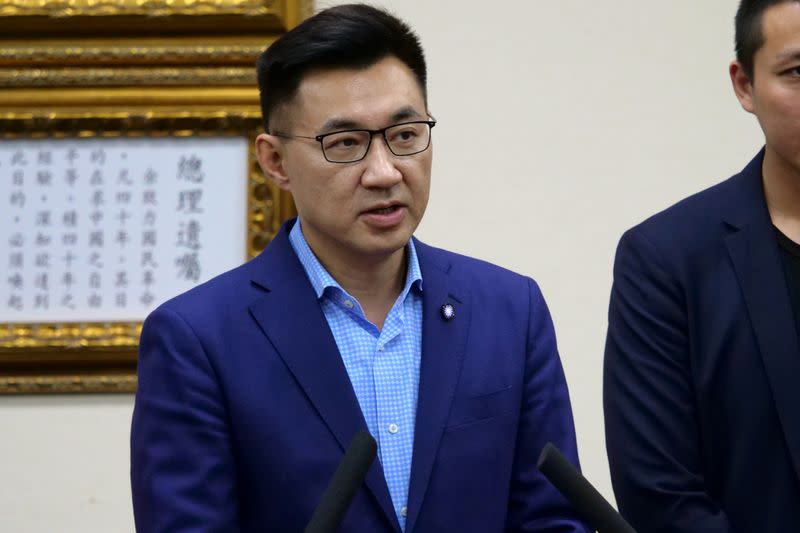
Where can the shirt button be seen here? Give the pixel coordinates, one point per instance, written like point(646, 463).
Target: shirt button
point(404, 511)
point(348, 304)
point(380, 347)
point(393, 428)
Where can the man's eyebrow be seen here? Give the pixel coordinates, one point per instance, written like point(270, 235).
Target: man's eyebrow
point(406, 113)
point(339, 123)
point(336, 124)
point(793, 54)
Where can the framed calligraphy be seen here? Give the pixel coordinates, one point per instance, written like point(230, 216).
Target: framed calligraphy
point(127, 175)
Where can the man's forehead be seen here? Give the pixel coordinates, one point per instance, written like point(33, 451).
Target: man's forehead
point(388, 66)
point(781, 30)
point(385, 91)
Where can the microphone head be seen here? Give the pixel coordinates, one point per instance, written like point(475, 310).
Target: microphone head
point(363, 445)
point(547, 455)
point(583, 497)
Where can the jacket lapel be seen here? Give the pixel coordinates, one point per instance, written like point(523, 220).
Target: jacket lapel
point(443, 345)
point(756, 258)
point(292, 319)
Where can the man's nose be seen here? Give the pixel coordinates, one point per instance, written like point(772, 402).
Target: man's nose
point(380, 170)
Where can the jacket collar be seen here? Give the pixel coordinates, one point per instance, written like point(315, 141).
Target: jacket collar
point(754, 251)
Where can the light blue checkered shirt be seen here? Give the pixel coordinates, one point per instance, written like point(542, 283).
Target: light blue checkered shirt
point(383, 365)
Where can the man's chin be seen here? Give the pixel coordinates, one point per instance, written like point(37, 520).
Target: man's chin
point(385, 245)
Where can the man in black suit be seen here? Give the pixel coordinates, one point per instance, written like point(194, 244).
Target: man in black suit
point(702, 365)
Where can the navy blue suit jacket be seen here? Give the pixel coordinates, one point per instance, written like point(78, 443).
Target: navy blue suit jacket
point(702, 369)
point(244, 407)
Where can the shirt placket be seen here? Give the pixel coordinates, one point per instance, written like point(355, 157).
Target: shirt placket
point(391, 374)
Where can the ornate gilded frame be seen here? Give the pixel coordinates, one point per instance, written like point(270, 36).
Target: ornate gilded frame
point(131, 85)
point(82, 17)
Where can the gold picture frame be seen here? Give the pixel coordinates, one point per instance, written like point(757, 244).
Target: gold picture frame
point(57, 83)
point(154, 17)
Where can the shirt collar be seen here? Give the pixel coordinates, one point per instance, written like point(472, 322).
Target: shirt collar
point(321, 279)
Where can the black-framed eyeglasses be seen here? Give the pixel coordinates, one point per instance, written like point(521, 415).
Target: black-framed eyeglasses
point(349, 146)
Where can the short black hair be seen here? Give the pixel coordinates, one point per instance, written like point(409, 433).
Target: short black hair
point(345, 36)
point(750, 31)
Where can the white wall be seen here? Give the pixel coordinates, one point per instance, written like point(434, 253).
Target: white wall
point(561, 124)
point(64, 464)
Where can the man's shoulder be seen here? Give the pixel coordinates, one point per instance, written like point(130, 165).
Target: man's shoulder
point(704, 207)
point(222, 295)
point(499, 295)
point(465, 265)
point(484, 280)
point(695, 221)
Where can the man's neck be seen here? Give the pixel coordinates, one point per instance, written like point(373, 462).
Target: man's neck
point(782, 191)
point(375, 281)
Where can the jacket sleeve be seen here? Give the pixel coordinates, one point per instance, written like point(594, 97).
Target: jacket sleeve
point(652, 436)
point(546, 416)
point(182, 465)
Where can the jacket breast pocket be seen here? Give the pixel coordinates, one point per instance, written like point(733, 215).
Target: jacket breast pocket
point(468, 409)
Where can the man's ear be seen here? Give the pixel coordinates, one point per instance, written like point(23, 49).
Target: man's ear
point(270, 152)
point(742, 86)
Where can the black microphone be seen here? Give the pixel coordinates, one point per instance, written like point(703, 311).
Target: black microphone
point(346, 481)
point(580, 493)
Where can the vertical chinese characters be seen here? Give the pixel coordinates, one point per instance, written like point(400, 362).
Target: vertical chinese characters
point(69, 235)
point(122, 198)
point(97, 235)
point(43, 190)
point(16, 253)
point(149, 241)
point(103, 230)
point(191, 178)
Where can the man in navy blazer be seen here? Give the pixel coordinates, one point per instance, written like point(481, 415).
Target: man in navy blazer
point(252, 385)
point(702, 366)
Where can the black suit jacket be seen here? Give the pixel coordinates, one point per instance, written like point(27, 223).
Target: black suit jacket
point(702, 369)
